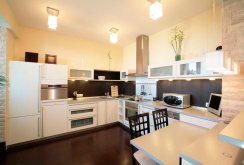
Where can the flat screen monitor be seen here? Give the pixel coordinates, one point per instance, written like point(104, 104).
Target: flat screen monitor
point(214, 104)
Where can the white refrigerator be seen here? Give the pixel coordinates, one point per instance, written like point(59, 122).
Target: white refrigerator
point(24, 118)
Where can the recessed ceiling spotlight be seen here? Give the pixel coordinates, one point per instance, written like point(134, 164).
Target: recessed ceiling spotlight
point(52, 18)
point(156, 9)
point(113, 35)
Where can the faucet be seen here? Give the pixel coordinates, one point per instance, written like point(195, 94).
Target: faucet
point(107, 94)
point(75, 94)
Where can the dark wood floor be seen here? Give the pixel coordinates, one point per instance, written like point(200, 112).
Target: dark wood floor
point(105, 147)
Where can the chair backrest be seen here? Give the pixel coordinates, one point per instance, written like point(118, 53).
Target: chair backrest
point(160, 118)
point(139, 125)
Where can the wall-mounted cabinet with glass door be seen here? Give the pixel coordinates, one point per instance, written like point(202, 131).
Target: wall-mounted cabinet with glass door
point(81, 74)
point(162, 71)
point(189, 68)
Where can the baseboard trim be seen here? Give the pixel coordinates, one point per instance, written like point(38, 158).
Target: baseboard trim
point(15, 147)
point(2, 150)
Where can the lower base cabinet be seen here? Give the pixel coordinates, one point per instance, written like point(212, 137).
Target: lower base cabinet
point(54, 119)
point(101, 113)
point(145, 109)
point(196, 121)
point(112, 111)
point(107, 112)
point(23, 129)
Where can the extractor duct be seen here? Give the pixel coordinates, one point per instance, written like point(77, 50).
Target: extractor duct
point(142, 56)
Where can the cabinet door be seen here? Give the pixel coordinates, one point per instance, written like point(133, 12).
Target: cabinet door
point(52, 73)
point(112, 111)
point(83, 74)
point(196, 121)
point(23, 129)
point(101, 112)
point(161, 71)
point(55, 120)
point(149, 110)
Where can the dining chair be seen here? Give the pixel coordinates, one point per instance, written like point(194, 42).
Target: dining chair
point(160, 118)
point(139, 126)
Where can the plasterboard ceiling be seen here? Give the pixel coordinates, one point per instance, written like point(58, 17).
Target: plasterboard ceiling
point(92, 19)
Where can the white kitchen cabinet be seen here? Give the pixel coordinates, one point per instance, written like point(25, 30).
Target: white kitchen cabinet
point(162, 71)
point(107, 111)
point(124, 75)
point(101, 113)
point(197, 121)
point(112, 111)
point(81, 74)
point(54, 74)
point(22, 129)
point(82, 116)
point(218, 61)
point(121, 111)
point(55, 118)
point(146, 109)
point(189, 68)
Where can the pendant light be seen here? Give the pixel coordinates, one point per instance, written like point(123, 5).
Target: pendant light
point(156, 9)
point(113, 35)
point(52, 18)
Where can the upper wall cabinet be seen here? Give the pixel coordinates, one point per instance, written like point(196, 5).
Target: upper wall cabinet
point(163, 71)
point(124, 75)
point(54, 74)
point(218, 61)
point(81, 74)
point(191, 67)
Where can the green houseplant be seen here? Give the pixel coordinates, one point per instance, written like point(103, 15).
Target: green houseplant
point(2, 80)
point(176, 41)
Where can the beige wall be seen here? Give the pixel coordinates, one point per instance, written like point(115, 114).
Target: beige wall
point(202, 34)
point(74, 51)
point(9, 17)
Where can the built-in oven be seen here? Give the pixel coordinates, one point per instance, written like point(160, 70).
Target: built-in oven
point(54, 92)
point(131, 109)
point(82, 116)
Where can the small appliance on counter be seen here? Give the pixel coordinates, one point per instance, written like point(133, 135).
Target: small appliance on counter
point(176, 100)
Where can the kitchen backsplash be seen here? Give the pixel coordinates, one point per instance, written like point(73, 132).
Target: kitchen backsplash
point(99, 88)
point(198, 89)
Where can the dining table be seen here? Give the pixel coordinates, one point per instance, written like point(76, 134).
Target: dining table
point(165, 145)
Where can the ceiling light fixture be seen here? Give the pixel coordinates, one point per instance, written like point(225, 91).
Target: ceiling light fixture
point(212, 78)
point(156, 9)
point(52, 18)
point(113, 35)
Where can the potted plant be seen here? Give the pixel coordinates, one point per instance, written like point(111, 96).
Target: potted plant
point(2, 80)
point(176, 41)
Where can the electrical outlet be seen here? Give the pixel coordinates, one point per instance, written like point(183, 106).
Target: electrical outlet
point(207, 104)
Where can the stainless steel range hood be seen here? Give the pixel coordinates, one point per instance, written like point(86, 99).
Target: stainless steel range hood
point(142, 56)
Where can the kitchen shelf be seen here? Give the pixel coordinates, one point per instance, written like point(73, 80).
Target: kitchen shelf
point(109, 75)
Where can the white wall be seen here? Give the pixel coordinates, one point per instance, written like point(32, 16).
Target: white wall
point(203, 33)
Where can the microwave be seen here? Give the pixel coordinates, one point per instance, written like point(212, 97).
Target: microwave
point(176, 100)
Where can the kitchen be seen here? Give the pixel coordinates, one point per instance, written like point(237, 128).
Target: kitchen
point(101, 79)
